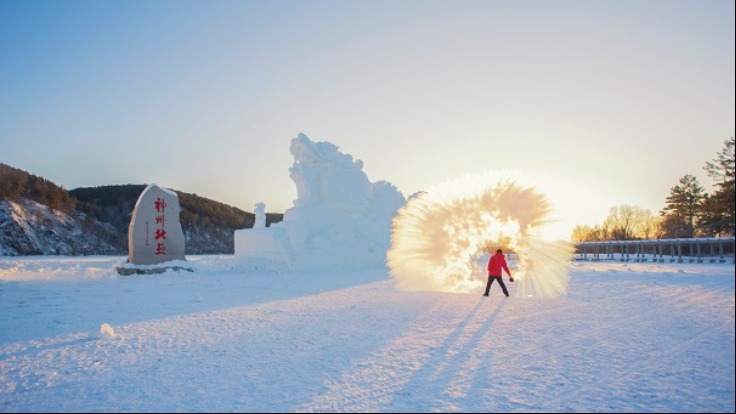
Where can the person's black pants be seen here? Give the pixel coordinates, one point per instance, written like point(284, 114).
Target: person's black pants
point(500, 282)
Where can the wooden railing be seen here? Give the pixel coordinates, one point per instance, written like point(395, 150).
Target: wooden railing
point(699, 250)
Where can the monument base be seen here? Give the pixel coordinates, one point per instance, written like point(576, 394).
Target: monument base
point(130, 269)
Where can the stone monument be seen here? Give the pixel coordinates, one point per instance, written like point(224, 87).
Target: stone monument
point(154, 235)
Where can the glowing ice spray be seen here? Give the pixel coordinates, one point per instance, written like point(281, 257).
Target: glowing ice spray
point(440, 235)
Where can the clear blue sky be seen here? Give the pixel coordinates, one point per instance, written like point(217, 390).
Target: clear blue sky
point(602, 103)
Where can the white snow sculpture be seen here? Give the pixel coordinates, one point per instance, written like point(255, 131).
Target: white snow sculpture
point(260, 216)
point(339, 220)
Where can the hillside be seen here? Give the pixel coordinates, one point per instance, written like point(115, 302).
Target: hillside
point(31, 228)
point(40, 217)
point(208, 225)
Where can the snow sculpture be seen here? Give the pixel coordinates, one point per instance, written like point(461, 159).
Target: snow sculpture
point(260, 216)
point(339, 220)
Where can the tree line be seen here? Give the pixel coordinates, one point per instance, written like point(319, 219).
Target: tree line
point(16, 184)
point(114, 204)
point(689, 211)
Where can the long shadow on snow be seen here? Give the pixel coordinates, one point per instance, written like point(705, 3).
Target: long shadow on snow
point(445, 363)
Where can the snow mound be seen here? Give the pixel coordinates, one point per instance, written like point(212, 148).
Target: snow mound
point(106, 331)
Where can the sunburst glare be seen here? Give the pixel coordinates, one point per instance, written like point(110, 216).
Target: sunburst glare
point(440, 236)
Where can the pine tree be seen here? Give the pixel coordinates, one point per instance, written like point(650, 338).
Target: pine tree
point(683, 207)
point(720, 215)
point(713, 220)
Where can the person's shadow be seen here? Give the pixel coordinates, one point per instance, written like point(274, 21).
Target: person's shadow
point(449, 360)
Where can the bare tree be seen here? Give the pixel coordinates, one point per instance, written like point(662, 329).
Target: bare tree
point(651, 226)
point(627, 222)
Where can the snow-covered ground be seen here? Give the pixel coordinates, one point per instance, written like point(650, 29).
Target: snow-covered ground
point(626, 337)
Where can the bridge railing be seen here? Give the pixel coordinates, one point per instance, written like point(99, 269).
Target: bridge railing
point(690, 250)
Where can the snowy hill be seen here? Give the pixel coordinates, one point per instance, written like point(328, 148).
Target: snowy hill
point(30, 228)
point(38, 217)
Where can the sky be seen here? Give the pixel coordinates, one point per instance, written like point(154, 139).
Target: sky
point(599, 103)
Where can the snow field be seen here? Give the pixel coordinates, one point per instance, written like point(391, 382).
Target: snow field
point(626, 337)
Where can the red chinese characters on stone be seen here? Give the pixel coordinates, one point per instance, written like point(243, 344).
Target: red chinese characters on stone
point(160, 234)
point(160, 206)
point(160, 248)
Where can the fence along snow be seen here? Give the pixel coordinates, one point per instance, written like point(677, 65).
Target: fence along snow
point(694, 250)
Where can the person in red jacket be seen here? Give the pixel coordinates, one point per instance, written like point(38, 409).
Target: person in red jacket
point(495, 264)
